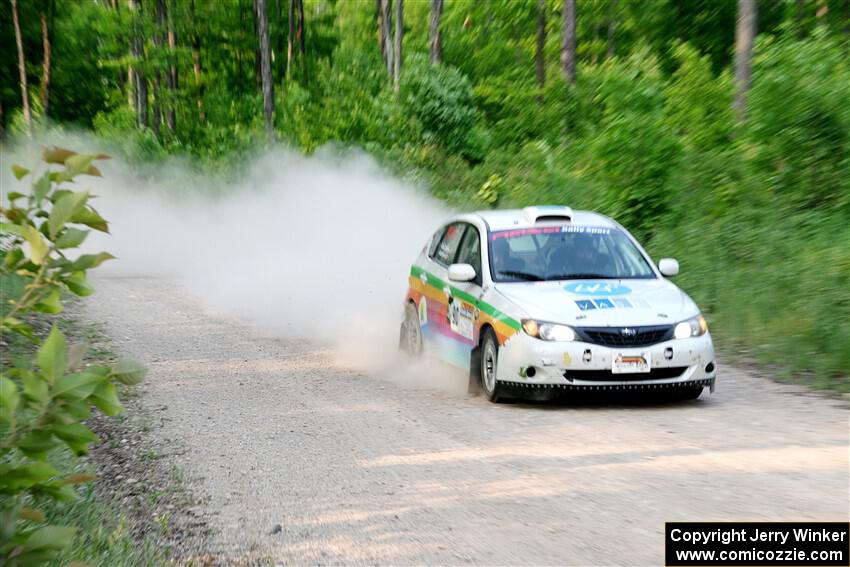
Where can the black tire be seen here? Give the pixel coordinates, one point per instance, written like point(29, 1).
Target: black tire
point(410, 336)
point(489, 358)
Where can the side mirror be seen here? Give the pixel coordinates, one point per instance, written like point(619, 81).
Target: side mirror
point(668, 267)
point(461, 273)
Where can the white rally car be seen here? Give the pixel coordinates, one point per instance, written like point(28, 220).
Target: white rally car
point(548, 297)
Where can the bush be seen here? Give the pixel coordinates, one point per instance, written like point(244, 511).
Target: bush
point(441, 98)
point(43, 403)
point(798, 121)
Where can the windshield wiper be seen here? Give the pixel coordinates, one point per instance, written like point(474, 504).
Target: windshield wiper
point(582, 276)
point(521, 275)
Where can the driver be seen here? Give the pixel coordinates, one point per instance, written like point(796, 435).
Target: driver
point(574, 255)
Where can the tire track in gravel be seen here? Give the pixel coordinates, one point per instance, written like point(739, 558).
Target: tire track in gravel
point(357, 468)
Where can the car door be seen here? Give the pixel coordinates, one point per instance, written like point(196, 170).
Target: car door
point(433, 305)
point(465, 296)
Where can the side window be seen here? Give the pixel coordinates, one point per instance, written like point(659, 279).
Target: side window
point(447, 248)
point(470, 251)
point(435, 241)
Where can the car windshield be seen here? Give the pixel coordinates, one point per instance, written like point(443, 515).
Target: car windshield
point(564, 253)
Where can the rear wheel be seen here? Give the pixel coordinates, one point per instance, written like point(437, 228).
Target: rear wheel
point(489, 366)
point(410, 340)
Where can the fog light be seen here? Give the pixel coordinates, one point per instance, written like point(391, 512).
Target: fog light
point(709, 368)
point(668, 353)
point(530, 372)
point(586, 356)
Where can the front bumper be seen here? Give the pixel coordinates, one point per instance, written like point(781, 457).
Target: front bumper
point(529, 362)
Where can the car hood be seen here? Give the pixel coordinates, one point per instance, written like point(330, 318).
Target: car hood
point(589, 303)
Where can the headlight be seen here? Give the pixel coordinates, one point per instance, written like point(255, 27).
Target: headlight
point(695, 327)
point(548, 331)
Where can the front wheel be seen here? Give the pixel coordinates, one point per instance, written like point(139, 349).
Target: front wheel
point(489, 366)
point(410, 340)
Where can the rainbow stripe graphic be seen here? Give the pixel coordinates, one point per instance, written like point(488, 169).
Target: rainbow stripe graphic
point(449, 342)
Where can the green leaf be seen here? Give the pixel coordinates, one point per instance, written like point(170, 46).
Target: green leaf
point(9, 398)
point(51, 304)
point(19, 171)
point(36, 444)
point(56, 154)
point(38, 248)
point(80, 163)
point(106, 399)
point(90, 217)
point(51, 355)
point(64, 209)
point(129, 371)
point(15, 229)
point(50, 537)
point(41, 187)
point(78, 284)
point(35, 388)
point(76, 435)
point(14, 196)
point(79, 385)
point(27, 474)
point(88, 261)
point(71, 238)
point(17, 326)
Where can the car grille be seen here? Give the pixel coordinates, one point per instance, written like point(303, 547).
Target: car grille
point(608, 376)
point(615, 337)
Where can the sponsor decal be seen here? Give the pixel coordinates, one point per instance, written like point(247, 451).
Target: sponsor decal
point(621, 302)
point(597, 288)
point(604, 303)
point(513, 233)
point(423, 311)
point(585, 304)
point(461, 315)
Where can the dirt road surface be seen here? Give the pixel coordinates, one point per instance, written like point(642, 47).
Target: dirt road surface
point(360, 469)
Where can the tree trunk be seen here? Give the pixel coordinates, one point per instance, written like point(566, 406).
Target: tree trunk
point(435, 41)
point(386, 26)
point(159, 41)
point(744, 37)
point(171, 78)
point(290, 42)
point(612, 27)
point(258, 72)
point(540, 53)
point(141, 82)
point(22, 69)
point(46, 16)
point(568, 42)
point(197, 70)
point(299, 33)
point(266, 64)
point(381, 39)
point(397, 41)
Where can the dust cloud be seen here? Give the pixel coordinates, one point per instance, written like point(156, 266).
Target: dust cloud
point(314, 247)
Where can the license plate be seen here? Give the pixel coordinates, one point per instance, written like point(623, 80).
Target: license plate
point(631, 363)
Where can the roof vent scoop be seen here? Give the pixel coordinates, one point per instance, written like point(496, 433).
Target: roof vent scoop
point(554, 213)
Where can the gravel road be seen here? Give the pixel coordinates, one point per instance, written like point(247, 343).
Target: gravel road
point(357, 468)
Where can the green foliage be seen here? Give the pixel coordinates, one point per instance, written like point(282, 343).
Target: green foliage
point(441, 98)
point(44, 402)
point(646, 134)
point(799, 120)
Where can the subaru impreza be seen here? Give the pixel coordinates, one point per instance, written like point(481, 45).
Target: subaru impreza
point(548, 298)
